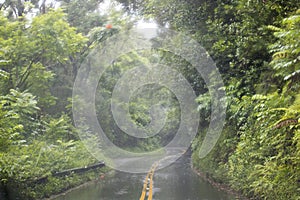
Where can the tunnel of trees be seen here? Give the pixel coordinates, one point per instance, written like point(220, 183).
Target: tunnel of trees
point(256, 47)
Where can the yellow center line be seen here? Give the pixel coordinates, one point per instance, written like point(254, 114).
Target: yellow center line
point(148, 179)
point(143, 195)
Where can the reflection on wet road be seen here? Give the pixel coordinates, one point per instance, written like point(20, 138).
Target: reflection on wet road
point(176, 182)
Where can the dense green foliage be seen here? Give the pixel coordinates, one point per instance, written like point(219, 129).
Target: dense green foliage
point(139, 107)
point(37, 138)
point(255, 44)
point(40, 55)
point(256, 47)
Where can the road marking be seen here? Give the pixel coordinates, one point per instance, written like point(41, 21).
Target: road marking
point(149, 182)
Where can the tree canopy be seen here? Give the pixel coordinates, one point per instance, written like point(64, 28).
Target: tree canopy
point(254, 43)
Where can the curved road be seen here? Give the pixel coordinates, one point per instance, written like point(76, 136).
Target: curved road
point(176, 182)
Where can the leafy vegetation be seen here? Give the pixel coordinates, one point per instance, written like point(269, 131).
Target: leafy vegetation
point(41, 52)
point(256, 47)
point(37, 137)
point(255, 44)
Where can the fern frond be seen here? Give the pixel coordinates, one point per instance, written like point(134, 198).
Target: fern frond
point(291, 114)
point(291, 75)
point(274, 28)
point(296, 105)
point(3, 74)
point(259, 97)
point(281, 55)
